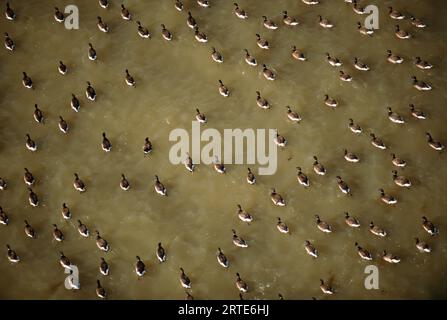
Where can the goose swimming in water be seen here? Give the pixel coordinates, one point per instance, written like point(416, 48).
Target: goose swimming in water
point(30, 144)
point(394, 14)
point(376, 230)
point(9, 13)
point(398, 162)
point(74, 103)
point(241, 284)
point(102, 26)
point(184, 279)
point(360, 65)
point(436, 145)
point(63, 125)
point(325, 288)
point(310, 249)
point(251, 179)
point(223, 90)
point(244, 215)
point(101, 243)
point(64, 261)
point(322, 225)
point(238, 241)
point(222, 259)
point(200, 36)
point(318, 167)
point(333, 61)
point(401, 34)
point(429, 227)
point(418, 23)
point(140, 268)
point(203, 3)
point(124, 183)
point(62, 68)
point(66, 214)
point(216, 55)
point(82, 229)
point(178, 5)
point(394, 58)
point(292, 115)
point(28, 177)
point(104, 267)
point(262, 43)
point(240, 13)
point(269, 24)
point(4, 220)
point(355, 128)
point(387, 198)
point(165, 33)
point(58, 15)
point(422, 64)
point(250, 59)
point(302, 178)
point(268, 74)
point(189, 165)
point(363, 253)
point(26, 81)
point(125, 14)
point(390, 258)
point(3, 184)
point(9, 44)
point(190, 21)
point(32, 198)
point(422, 246)
point(351, 157)
point(421, 85)
point(92, 52)
point(106, 145)
point(147, 147)
point(344, 76)
point(200, 117)
point(90, 92)
point(279, 140)
point(12, 255)
point(219, 167)
point(261, 102)
point(325, 23)
point(330, 102)
point(129, 79)
point(104, 4)
point(142, 31)
point(298, 55)
point(364, 30)
point(343, 186)
point(356, 8)
point(281, 226)
point(288, 20)
point(57, 234)
point(161, 253)
point(395, 117)
point(29, 231)
point(38, 114)
point(351, 221)
point(401, 181)
point(100, 291)
point(159, 187)
point(377, 142)
point(78, 184)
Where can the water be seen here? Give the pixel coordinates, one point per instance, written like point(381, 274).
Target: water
point(198, 215)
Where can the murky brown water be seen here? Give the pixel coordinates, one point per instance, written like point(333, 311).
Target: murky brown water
point(198, 215)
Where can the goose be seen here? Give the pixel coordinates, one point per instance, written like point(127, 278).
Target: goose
point(394, 58)
point(322, 225)
point(288, 20)
point(102, 26)
point(142, 31)
point(219, 167)
point(310, 249)
point(58, 15)
point(360, 65)
point(9, 13)
point(200, 117)
point(9, 44)
point(398, 162)
point(203, 3)
point(83, 230)
point(376, 230)
point(100, 291)
point(104, 4)
point(422, 246)
point(189, 296)
point(401, 34)
point(222, 259)
point(422, 64)
point(66, 214)
point(311, 2)
point(190, 21)
point(161, 253)
point(377, 142)
point(4, 220)
point(364, 30)
point(223, 90)
point(390, 258)
point(57, 234)
point(125, 14)
point(268, 74)
point(344, 76)
point(261, 102)
point(325, 23)
point(279, 140)
point(351, 221)
point(251, 179)
point(421, 85)
point(3, 184)
point(78, 184)
point(281, 226)
point(269, 24)
point(417, 22)
point(12, 255)
point(200, 36)
point(280, 297)
point(351, 157)
point(216, 55)
point(429, 227)
point(92, 53)
point(90, 92)
point(262, 43)
point(355, 128)
point(147, 147)
point(140, 268)
point(240, 13)
point(241, 284)
point(298, 55)
point(63, 125)
point(30, 144)
point(64, 261)
point(394, 14)
point(343, 186)
point(26, 81)
point(238, 241)
point(244, 215)
point(38, 114)
point(293, 116)
point(189, 165)
point(395, 117)
point(302, 178)
point(105, 144)
point(74, 103)
point(32, 198)
point(124, 183)
point(129, 79)
point(250, 59)
point(357, 9)
point(165, 33)
point(330, 102)
point(325, 288)
point(178, 5)
point(101, 243)
point(363, 253)
point(184, 279)
point(333, 61)
point(318, 167)
point(401, 181)
point(29, 231)
point(436, 145)
point(104, 267)
point(159, 187)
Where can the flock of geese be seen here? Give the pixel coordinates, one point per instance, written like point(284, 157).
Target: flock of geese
point(276, 198)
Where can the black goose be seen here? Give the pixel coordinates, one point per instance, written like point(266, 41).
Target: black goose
point(28, 178)
point(140, 268)
point(29, 230)
point(30, 144)
point(26, 81)
point(90, 92)
point(74, 103)
point(106, 145)
point(92, 52)
point(57, 234)
point(32, 198)
point(125, 14)
point(12, 255)
point(147, 147)
point(101, 243)
point(104, 267)
point(142, 31)
point(66, 214)
point(78, 184)
point(63, 125)
point(124, 183)
point(58, 15)
point(161, 253)
point(4, 220)
point(82, 229)
point(100, 291)
point(184, 279)
point(222, 259)
point(9, 44)
point(159, 187)
point(251, 179)
point(9, 13)
point(165, 33)
point(240, 13)
point(129, 79)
